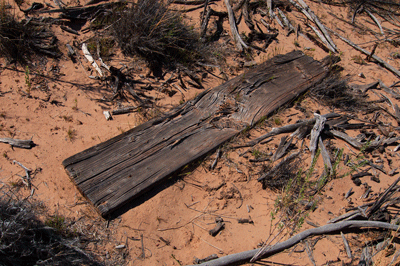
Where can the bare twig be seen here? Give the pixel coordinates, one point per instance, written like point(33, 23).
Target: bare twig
point(232, 22)
point(27, 174)
point(330, 228)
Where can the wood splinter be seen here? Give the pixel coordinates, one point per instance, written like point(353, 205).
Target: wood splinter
point(27, 178)
point(220, 225)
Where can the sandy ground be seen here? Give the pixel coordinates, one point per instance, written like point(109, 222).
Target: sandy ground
point(64, 116)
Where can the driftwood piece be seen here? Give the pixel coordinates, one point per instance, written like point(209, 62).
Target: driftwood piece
point(284, 129)
point(123, 110)
point(375, 20)
point(325, 155)
point(235, 34)
point(378, 59)
point(346, 246)
point(388, 90)
point(310, 253)
point(282, 148)
point(286, 22)
point(248, 256)
point(324, 36)
point(20, 143)
point(315, 132)
point(27, 178)
point(383, 198)
point(218, 227)
point(358, 144)
point(89, 57)
point(216, 159)
point(147, 154)
point(364, 88)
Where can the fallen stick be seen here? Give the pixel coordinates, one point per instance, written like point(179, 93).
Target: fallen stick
point(284, 129)
point(315, 132)
point(27, 177)
point(282, 148)
point(89, 57)
point(378, 59)
point(216, 159)
point(310, 253)
point(325, 155)
point(305, 9)
point(232, 22)
point(346, 245)
point(20, 143)
point(383, 198)
point(245, 256)
point(322, 37)
point(375, 20)
point(123, 110)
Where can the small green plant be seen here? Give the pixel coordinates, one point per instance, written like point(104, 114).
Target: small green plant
point(27, 81)
point(296, 43)
point(277, 121)
point(3, 115)
point(256, 153)
point(57, 222)
point(16, 184)
point(5, 155)
point(67, 118)
point(71, 134)
point(75, 106)
point(358, 60)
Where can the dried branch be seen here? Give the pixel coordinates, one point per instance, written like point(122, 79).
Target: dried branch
point(26, 144)
point(247, 256)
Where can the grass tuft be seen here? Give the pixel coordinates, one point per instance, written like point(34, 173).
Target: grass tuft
point(160, 36)
point(19, 39)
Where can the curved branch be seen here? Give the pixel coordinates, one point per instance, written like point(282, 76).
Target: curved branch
point(255, 254)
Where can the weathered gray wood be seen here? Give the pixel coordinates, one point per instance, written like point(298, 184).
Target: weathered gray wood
point(20, 143)
point(116, 171)
point(249, 255)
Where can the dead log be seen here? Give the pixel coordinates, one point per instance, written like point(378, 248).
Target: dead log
point(249, 256)
point(20, 143)
point(148, 154)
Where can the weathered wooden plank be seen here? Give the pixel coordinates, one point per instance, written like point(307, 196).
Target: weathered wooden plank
point(116, 171)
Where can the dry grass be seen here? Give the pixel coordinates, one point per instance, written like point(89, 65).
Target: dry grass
point(25, 240)
point(19, 39)
point(160, 36)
